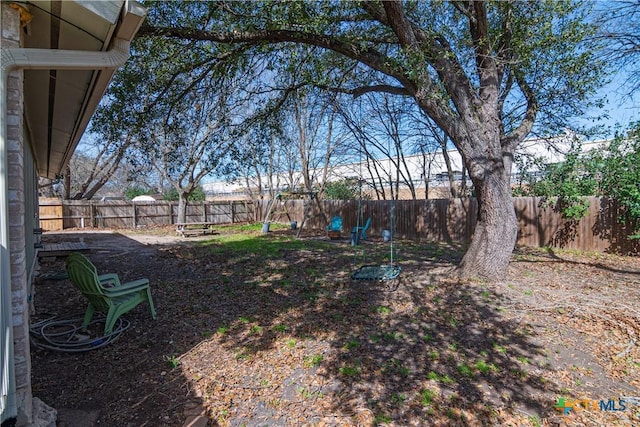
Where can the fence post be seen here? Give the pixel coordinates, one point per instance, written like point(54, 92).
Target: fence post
point(233, 211)
point(92, 214)
point(204, 211)
point(133, 205)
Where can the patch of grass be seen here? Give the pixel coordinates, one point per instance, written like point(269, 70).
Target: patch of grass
point(404, 371)
point(174, 361)
point(382, 419)
point(398, 398)
point(351, 345)
point(242, 354)
point(257, 244)
point(499, 348)
point(383, 309)
point(206, 334)
point(433, 354)
point(222, 417)
point(391, 336)
point(284, 283)
point(313, 361)
point(451, 414)
point(522, 359)
point(466, 371)
point(280, 328)
point(528, 292)
point(453, 322)
point(444, 379)
point(256, 329)
point(222, 330)
point(305, 393)
point(535, 421)
point(291, 343)
point(397, 366)
point(240, 228)
point(426, 397)
point(485, 367)
point(350, 371)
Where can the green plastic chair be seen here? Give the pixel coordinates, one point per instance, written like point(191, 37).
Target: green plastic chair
point(105, 292)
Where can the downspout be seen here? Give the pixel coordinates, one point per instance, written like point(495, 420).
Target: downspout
point(31, 59)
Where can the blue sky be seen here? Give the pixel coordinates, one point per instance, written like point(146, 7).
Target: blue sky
point(622, 109)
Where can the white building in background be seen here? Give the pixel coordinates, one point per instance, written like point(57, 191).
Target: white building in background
point(431, 168)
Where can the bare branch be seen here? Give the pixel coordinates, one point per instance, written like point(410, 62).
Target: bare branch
point(510, 141)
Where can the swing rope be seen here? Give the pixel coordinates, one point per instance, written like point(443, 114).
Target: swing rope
point(381, 272)
point(359, 220)
point(376, 272)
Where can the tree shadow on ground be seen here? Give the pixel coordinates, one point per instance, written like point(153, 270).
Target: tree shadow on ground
point(564, 257)
point(275, 333)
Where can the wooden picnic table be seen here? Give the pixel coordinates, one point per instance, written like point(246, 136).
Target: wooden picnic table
point(188, 229)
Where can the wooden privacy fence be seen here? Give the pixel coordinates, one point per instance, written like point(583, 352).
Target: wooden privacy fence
point(539, 224)
point(117, 214)
point(454, 220)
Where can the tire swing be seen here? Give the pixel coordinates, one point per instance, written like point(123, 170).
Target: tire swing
point(382, 272)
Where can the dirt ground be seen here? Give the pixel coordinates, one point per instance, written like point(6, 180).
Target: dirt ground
point(281, 336)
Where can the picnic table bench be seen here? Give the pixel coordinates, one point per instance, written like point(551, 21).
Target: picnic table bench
point(188, 229)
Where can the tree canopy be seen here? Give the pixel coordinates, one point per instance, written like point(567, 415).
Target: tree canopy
point(486, 73)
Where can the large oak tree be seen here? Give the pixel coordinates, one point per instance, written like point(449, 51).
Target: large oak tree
point(486, 73)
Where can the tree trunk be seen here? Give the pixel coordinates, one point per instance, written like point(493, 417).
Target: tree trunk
point(67, 183)
point(182, 208)
point(447, 162)
point(496, 230)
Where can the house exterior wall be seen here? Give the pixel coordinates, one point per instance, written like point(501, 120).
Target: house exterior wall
point(31, 218)
point(11, 38)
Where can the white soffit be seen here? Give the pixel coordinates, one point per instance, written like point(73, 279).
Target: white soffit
point(107, 10)
point(58, 103)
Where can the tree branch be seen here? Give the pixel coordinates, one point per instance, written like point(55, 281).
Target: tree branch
point(463, 8)
point(367, 55)
point(509, 142)
point(400, 24)
point(376, 12)
point(359, 91)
